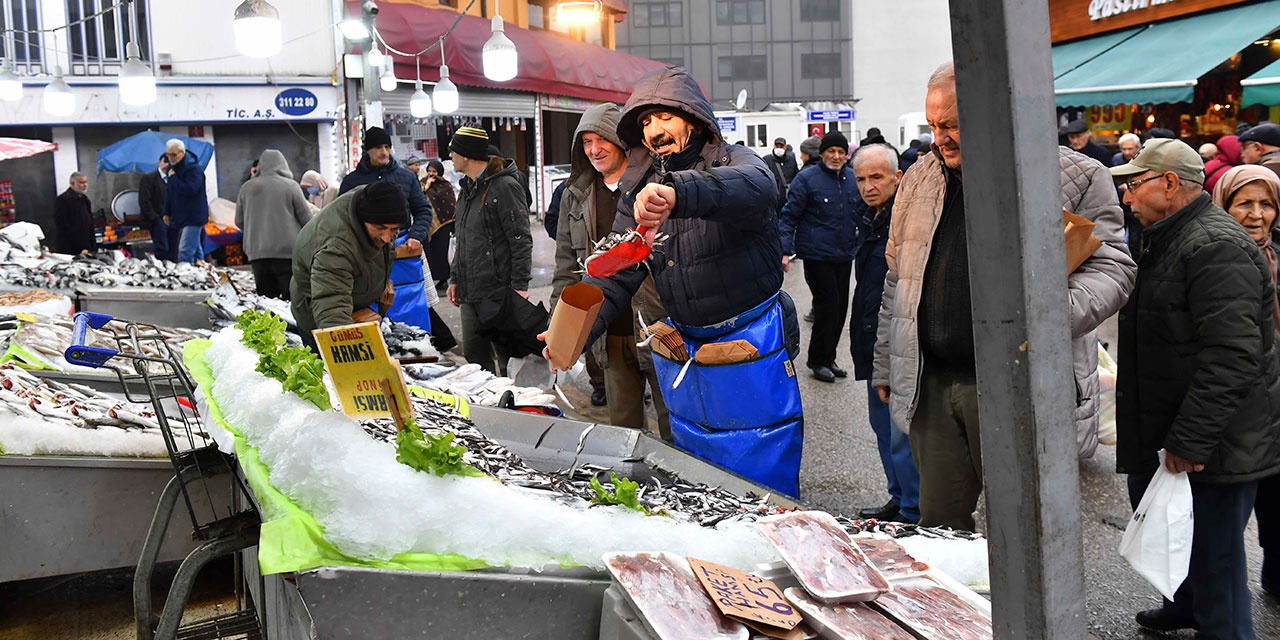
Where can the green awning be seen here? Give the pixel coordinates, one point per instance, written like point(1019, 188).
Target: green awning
point(1262, 87)
point(1069, 55)
point(1161, 62)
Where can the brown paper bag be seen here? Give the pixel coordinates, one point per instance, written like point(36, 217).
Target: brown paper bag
point(667, 342)
point(1081, 243)
point(403, 251)
point(726, 352)
point(571, 323)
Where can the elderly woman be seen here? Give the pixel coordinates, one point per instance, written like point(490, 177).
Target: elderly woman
point(1251, 194)
point(319, 192)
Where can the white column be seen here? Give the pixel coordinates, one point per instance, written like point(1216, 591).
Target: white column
point(65, 161)
point(328, 151)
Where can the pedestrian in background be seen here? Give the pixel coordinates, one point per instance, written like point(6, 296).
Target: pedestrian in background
point(1262, 146)
point(877, 176)
point(318, 190)
point(271, 211)
point(809, 152)
point(1251, 195)
point(819, 225)
point(1129, 144)
point(1227, 156)
point(151, 207)
point(551, 221)
point(782, 162)
point(440, 195)
point(1208, 151)
point(1078, 138)
point(909, 155)
point(73, 216)
point(1199, 378)
point(186, 207)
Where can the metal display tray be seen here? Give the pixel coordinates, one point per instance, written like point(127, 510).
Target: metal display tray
point(183, 308)
point(351, 602)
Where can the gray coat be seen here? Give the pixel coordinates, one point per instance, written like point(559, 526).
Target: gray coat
point(271, 210)
point(1096, 290)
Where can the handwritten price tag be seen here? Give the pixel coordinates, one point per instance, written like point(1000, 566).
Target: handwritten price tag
point(746, 597)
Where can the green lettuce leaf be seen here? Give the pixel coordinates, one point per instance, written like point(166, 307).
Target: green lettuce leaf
point(432, 453)
point(625, 493)
point(261, 331)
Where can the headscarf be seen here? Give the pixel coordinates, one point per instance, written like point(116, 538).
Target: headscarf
point(325, 193)
point(1232, 181)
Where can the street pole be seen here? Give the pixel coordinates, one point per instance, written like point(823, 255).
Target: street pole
point(370, 88)
point(1017, 266)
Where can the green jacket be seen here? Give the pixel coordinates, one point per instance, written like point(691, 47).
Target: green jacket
point(336, 268)
point(495, 248)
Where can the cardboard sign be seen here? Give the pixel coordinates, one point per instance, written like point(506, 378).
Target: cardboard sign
point(359, 363)
point(571, 323)
point(1081, 243)
point(749, 599)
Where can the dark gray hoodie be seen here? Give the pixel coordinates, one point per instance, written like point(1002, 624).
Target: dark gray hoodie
point(271, 209)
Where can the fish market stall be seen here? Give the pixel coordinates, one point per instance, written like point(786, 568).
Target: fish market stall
point(174, 308)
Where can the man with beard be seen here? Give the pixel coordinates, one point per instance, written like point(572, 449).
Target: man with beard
point(74, 217)
point(719, 275)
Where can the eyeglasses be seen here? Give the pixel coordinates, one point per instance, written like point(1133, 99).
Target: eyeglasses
point(1131, 185)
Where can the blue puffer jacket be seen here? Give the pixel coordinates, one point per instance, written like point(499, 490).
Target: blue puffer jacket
point(185, 201)
point(419, 208)
point(820, 219)
point(869, 268)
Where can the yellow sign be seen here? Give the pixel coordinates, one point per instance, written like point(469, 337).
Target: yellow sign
point(1110, 117)
point(358, 362)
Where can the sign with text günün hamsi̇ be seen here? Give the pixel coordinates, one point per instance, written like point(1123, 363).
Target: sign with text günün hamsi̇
point(361, 368)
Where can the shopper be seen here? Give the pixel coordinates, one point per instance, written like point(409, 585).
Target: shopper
point(875, 167)
point(318, 190)
point(1251, 195)
point(342, 259)
point(1262, 146)
point(782, 162)
point(1227, 156)
point(1129, 144)
point(819, 225)
point(1078, 138)
point(151, 209)
point(588, 209)
point(495, 248)
point(271, 211)
point(1199, 378)
point(186, 207)
point(440, 195)
point(73, 217)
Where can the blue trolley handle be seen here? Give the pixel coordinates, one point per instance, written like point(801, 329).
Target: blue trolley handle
point(81, 353)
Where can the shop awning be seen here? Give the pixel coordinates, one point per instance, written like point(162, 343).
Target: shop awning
point(1161, 62)
point(1262, 87)
point(1070, 55)
point(549, 62)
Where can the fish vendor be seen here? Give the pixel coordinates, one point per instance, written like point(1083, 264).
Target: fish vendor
point(342, 259)
point(719, 275)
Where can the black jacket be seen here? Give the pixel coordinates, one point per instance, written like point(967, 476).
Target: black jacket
point(495, 247)
point(785, 166)
point(1097, 152)
point(151, 197)
point(366, 173)
point(869, 268)
point(1199, 374)
point(74, 220)
point(723, 255)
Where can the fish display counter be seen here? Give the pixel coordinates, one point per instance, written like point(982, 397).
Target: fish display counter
point(165, 307)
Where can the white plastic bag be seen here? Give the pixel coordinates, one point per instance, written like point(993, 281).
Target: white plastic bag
point(1157, 542)
point(1107, 370)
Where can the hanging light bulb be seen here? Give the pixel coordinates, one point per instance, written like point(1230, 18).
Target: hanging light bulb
point(137, 83)
point(257, 29)
point(445, 94)
point(354, 30)
point(420, 102)
point(58, 99)
point(499, 55)
point(376, 59)
point(10, 84)
point(577, 13)
point(388, 79)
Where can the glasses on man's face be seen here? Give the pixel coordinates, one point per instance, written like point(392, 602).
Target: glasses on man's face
point(1132, 185)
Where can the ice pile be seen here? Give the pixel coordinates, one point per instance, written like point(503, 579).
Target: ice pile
point(964, 560)
point(20, 435)
point(373, 507)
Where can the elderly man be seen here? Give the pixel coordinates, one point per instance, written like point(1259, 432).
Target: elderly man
point(1199, 378)
point(875, 168)
point(924, 360)
point(719, 277)
point(819, 224)
point(588, 209)
point(342, 259)
point(73, 218)
point(1262, 146)
point(1129, 144)
point(1078, 138)
point(186, 207)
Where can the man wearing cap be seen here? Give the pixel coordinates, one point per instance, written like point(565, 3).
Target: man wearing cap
point(1078, 138)
point(495, 248)
point(342, 259)
point(1199, 378)
point(782, 162)
point(1262, 146)
point(413, 163)
point(819, 225)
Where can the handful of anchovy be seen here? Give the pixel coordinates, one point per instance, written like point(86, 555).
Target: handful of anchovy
point(23, 394)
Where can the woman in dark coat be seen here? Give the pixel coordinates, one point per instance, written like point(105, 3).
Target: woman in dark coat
point(441, 197)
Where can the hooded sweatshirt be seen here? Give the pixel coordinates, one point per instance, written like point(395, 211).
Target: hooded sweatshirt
point(271, 210)
point(1229, 148)
point(325, 191)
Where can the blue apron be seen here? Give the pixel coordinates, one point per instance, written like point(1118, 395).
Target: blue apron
point(744, 416)
point(410, 305)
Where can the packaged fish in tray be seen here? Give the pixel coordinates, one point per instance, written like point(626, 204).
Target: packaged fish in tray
point(889, 557)
point(852, 621)
point(823, 557)
point(933, 612)
point(661, 587)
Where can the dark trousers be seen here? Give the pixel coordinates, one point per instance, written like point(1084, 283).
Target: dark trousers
point(441, 337)
point(272, 276)
point(477, 348)
point(160, 239)
point(1216, 593)
point(438, 253)
point(174, 235)
point(1267, 508)
point(624, 384)
point(595, 374)
point(947, 448)
point(829, 284)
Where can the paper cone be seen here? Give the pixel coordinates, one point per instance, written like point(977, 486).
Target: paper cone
point(571, 323)
point(726, 352)
point(1081, 243)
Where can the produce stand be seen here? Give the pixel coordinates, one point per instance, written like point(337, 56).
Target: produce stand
point(166, 307)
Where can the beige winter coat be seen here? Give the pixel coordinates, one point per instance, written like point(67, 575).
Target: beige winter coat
point(1096, 290)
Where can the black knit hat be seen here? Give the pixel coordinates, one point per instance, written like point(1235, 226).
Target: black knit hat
point(833, 139)
point(470, 142)
point(375, 137)
point(382, 202)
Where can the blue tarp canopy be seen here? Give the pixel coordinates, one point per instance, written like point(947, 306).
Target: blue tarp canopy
point(141, 152)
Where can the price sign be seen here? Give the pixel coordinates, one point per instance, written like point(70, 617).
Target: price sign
point(359, 363)
point(1112, 117)
point(747, 598)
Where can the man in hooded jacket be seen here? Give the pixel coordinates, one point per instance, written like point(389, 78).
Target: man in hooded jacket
point(271, 211)
point(719, 277)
